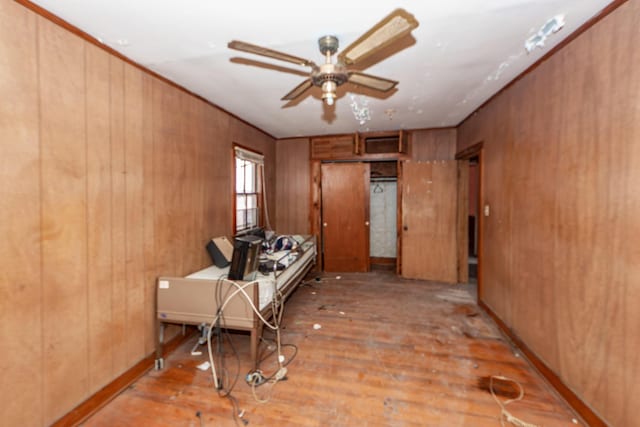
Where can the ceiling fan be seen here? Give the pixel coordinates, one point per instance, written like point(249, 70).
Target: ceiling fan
point(329, 75)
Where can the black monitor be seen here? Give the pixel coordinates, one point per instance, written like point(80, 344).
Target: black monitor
point(245, 258)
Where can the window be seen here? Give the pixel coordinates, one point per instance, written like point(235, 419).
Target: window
point(248, 165)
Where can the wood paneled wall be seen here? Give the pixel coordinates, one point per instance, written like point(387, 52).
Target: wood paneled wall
point(561, 252)
point(293, 184)
point(433, 144)
point(109, 177)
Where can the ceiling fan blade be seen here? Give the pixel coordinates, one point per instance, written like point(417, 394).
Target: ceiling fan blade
point(259, 50)
point(372, 82)
point(396, 25)
point(298, 90)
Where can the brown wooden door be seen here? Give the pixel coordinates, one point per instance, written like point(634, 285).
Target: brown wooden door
point(429, 220)
point(345, 216)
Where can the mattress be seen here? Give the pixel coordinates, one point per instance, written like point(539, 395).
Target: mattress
point(267, 283)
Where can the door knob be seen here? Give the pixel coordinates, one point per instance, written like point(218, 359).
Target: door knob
point(366, 223)
point(324, 224)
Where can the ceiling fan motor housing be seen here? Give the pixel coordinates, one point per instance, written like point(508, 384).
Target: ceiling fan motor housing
point(330, 72)
point(328, 44)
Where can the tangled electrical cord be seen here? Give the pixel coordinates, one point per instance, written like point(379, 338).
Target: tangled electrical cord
point(255, 378)
point(504, 414)
point(224, 385)
point(240, 289)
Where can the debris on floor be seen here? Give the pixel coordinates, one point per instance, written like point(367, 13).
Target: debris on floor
point(204, 366)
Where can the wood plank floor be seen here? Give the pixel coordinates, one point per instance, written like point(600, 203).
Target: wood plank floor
point(390, 352)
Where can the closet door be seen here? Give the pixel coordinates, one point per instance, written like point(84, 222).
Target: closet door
point(429, 220)
point(345, 216)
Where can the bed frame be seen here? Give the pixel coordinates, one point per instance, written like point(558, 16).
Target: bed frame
point(191, 301)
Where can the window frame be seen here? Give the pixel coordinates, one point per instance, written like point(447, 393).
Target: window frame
point(244, 154)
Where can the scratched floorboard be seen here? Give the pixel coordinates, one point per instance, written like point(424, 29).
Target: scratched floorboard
point(390, 352)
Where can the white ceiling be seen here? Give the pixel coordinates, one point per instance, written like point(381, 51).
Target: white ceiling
point(464, 52)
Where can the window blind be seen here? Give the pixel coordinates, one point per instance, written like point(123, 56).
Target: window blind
point(250, 156)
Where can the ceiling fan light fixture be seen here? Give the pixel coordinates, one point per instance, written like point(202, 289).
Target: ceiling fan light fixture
point(329, 92)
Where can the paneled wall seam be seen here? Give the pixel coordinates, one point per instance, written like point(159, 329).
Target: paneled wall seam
point(41, 179)
point(153, 200)
point(126, 200)
point(88, 218)
point(111, 243)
